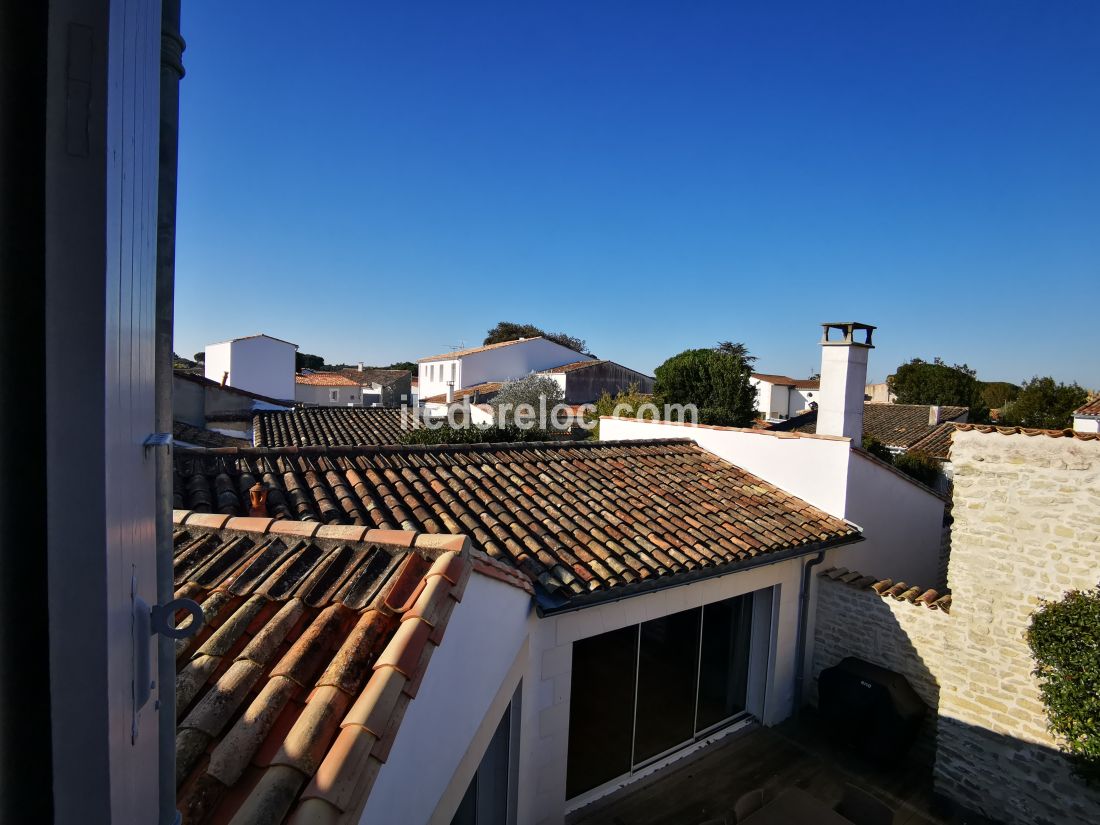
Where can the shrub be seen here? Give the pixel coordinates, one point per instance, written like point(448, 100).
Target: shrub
point(1064, 637)
point(530, 390)
point(919, 466)
point(877, 449)
point(628, 402)
point(477, 435)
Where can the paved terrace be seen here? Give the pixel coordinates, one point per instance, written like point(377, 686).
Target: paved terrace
point(707, 784)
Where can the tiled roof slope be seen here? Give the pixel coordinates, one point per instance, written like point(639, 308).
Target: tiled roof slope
point(323, 379)
point(374, 376)
point(333, 426)
point(199, 437)
point(895, 425)
point(577, 517)
point(289, 698)
point(787, 381)
point(459, 353)
point(1091, 408)
point(937, 443)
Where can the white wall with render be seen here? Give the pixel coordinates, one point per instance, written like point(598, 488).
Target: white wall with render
point(1086, 424)
point(258, 364)
point(500, 364)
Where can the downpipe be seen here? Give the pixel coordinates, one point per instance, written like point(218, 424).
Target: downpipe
point(803, 630)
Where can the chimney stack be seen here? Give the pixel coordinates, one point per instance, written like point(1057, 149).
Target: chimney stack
point(843, 379)
point(360, 366)
point(934, 413)
point(450, 391)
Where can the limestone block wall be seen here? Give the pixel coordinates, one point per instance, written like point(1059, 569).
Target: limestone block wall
point(1027, 527)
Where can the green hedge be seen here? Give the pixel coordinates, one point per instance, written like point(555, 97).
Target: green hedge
point(1064, 637)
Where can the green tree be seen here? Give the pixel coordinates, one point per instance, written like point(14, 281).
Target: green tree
point(1064, 637)
point(921, 382)
point(714, 381)
point(538, 391)
point(1044, 403)
point(628, 403)
point(200, 357)
point(509, 331)
point(995, 394)
point(305, 361)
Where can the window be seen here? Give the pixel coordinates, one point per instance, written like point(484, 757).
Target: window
point(643, 691)
point(491, 796)
point(333, 395)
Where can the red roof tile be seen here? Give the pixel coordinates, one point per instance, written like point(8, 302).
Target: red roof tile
point(579, 518)
point(333, 426)
point(990, 428)
point(459, 353)
point(895, 425)
point(1091, 408)
point(888, 588)
point(484, 391)
point(302, 667)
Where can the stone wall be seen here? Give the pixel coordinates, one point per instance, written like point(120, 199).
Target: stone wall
point(1026, 528)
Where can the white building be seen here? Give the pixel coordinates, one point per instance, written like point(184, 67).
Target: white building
point(257, 363)
point(361, 387)
point(506, 361)
point(1087, 418)
point(779, 397)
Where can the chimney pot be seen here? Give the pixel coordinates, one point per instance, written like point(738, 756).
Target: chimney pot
point(257, 494)
point(360, 366)
point(225, 377)
point(450, 391)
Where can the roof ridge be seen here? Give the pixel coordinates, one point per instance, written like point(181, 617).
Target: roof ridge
point(988, 429)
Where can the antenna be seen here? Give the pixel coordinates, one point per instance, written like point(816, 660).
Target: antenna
point(458, 346)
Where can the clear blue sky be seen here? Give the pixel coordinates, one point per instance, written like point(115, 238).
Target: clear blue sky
point(380, 181)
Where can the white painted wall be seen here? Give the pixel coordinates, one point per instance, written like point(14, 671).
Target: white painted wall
point(843, 379)
point(259, 364)
point(800, 400)
point(1085, 424)
point(485, 633)
point(501, 364)
point(322, 396)
point(545, 729)
point(901, 520)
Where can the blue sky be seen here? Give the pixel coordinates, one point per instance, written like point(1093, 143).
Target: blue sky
point(382, 181)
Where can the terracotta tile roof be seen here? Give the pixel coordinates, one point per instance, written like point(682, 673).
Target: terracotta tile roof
point(787, 381)
point(575, 365)
point(315, 642)
point(937, 443)
point(257, 335)
point(200, 437)
point(374, 376)
point(895, 425)
point(1091, 408)
point(484, 390)
point(324, 379)
point(888, 588)
point(579, 518)
point(990, 428)
point(459, 353)
point(332, 426)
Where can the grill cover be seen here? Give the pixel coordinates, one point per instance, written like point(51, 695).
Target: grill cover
point(870, 708)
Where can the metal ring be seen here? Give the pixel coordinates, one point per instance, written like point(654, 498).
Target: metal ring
point(163, 613)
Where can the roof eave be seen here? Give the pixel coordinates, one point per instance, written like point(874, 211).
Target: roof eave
point(547, 604)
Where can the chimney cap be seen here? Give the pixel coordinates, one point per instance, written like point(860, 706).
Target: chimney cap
point(848, 330)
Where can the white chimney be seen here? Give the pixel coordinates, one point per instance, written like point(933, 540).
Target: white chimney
point(843, 378)
point(450, 391)
point(360, 366)
point(934, 414)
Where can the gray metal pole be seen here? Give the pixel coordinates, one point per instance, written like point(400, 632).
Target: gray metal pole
point(171, 72)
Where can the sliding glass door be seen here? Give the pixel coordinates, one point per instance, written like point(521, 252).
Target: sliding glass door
point(645, 690)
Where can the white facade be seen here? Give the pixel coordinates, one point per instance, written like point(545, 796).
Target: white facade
point(843, 378)
point(778, 401)
point(349, 395)
point(1086, 423)
point(502, 363)
point(259, 364)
